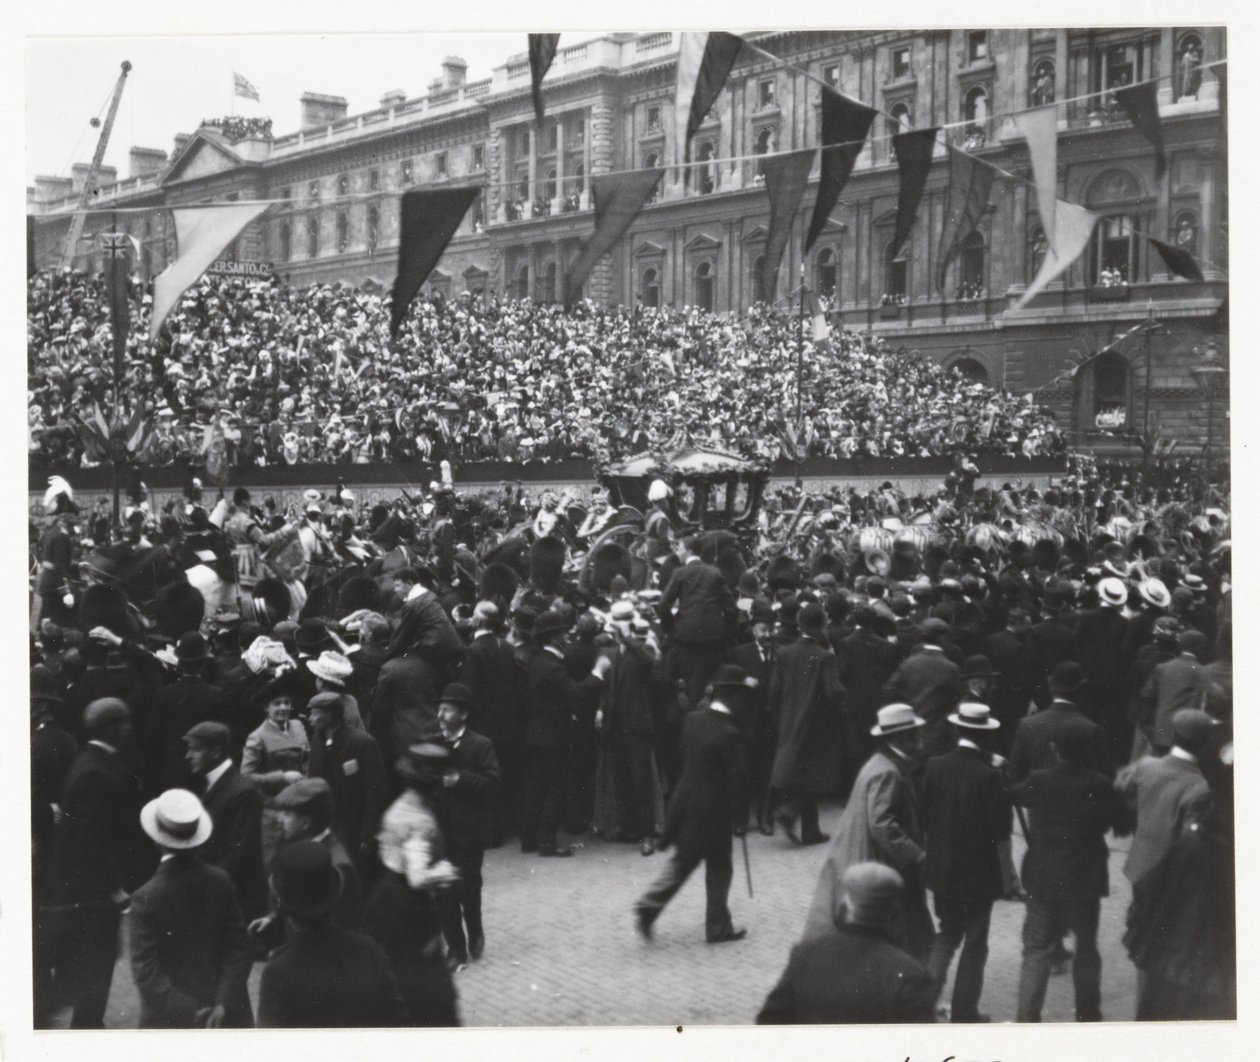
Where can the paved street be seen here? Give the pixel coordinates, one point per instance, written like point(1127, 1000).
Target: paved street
point(562, 948)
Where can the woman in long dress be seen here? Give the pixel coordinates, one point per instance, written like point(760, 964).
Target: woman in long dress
point(276, 755)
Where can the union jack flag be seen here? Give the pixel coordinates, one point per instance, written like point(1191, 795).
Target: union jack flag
point(114, 244)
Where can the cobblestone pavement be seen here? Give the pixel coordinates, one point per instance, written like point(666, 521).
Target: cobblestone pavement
point(561, 947)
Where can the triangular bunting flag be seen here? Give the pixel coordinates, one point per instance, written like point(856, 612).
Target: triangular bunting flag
point(1139, 103)
point(428, 220)
point(914, 160)
point(786, 176)
point(542, 52)
point(704, 63)
point(969, 183)
point(1040, 131)
point(201, 233)
point(1177, 260)
point(618, 199)
point(820, 331)
point(1074, 225)
point(845, 123)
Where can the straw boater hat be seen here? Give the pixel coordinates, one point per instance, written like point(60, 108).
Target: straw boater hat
point(1154, 592)
point(1112, 592)
point(331, 667)
point(176, 819)
point(974, 717)
point(894, 718)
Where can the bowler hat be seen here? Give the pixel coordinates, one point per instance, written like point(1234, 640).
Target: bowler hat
point(894, 718)
point(550, 622)
point(974, 717)
point(176, 819)
point(191, 648)
point(1191, 728)
point(812, 619)
point(312, 636)
point(456, 693)
point(304, 879)
point(44, 685)
point(978, 666)
point(425, 761)
point(732, 675)
point(209, 734)
point(1067, 676)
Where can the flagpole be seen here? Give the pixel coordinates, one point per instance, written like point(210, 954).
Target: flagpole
point(800, 349)
point(119, 404)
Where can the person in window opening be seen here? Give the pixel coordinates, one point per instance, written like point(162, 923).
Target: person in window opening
point(1043, 89)
point(1191, 74)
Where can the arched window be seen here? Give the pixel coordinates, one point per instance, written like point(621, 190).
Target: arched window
point(312, 237)
point(343, 185)
point(759, 293)
point(708, 171)
point(1038, 248)
point(522, 280)
point(826, 272)
point(343, 233)
point(650, 162)
point(549, 185)
point(972, 370)
point(1114, 261)
point(1110, 380)
point(894, 275)
point(1185, 231)
point(1189, 74)
point(1041, 84)
point(1116, 255)
point(971, 272)
point(898, 122)
point(704, 278)
point(976, 114)
point(373, 230)
point(547, 289)
point(650, 288)
point(763, 145)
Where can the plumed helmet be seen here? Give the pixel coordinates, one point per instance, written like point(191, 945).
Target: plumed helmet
point(546, 563)
point(730, 562)
point(497, 580)
point(659, 490)
point(272, 602)
point(106, 606)
point(178, 607)
point(358, 591)
point(59, 497)
point(783, 573)
point(606, 562)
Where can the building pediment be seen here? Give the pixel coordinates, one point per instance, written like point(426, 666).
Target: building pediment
point(203, 156)
point(760, 232)
point(647, 249)
point(703, 242)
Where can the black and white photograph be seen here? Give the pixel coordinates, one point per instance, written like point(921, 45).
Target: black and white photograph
point(629, 528)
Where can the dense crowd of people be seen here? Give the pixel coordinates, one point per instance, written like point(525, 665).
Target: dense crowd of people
point(319, 778)
point(258, 373)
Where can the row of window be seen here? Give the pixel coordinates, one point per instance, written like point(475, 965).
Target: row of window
point(341, 231)
point(406, 175)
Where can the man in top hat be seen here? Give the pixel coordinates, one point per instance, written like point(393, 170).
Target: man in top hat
point(1012, 689)
point(349, 760)
point(1037, 735)
point(1172, 686)
point(1164, 791)
point(1100, 641)
point(323, 976)
point(404, 705)
point(556, 700)
point(882, 821)
point(1052, 638)
point(703, 629)
point(1071, 808)
point(495, 682)
point(867, 662)
point(187, 701)
point(968, 818)
point(807, 699)
point(190, 954)
point(235, 807)
point(930, 682)
point(758, 726)
point(702, 809)
point(101, 855)
point(818, 987)
point(465, 810)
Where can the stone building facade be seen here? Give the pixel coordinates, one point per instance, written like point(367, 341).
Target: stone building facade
point(336, 181)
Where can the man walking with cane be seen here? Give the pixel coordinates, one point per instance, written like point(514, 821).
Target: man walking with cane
point(703, 809)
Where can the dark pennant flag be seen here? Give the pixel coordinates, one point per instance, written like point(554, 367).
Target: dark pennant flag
point(786, 176)
point(618, 199)
point(427, 222)
point(542, 51)
point(845, 123)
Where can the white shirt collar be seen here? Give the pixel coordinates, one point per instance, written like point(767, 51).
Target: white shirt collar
point(554, 650)
point(214, 775)
point(718, 706)
point(1178, 753)
point(483, 632)
point(103, 745)
point(966, 743)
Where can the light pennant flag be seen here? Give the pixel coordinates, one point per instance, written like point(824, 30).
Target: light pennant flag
point(1040, 131)
point(242, 86)
point(201, 234)
point(704, 63)
point(1074, 225)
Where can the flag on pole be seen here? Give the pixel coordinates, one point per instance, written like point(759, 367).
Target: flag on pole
point(1075, 224)
point(427, 221)
point(1140, 104)
point(242, 86)
point(1039, 128)
point(618, 199)
point(845, 123)
point(542, 52)
point(201, 234)
point(786, 176)
point(820, 331)
point(970, 181)
point(1177, 259)
point(117, 275)
point(914, 160)
point(704, 63)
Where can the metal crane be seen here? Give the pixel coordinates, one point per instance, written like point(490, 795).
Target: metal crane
point(89, 184)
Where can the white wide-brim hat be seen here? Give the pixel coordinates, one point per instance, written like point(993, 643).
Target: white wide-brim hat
point(176, 819)
point(974, 717)
point(896, 717)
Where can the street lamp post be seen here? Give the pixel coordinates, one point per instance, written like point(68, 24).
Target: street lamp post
point(1208, 374)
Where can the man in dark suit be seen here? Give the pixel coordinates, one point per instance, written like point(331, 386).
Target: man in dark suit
point(701, 633)
point(757, 726)
point(1015, 681)
point(867, 661)
point(179, 707)
point(1071, 808)
point(190, 954)
point(968, 818)
point(930, 683)
point(496, 682)
point(423, 625)
point(101, 856)
point(819, 985)
point(703, 808)
point(404, 707)
point(465, 812)
point(349, 760)
point(323, 977)
point(556, 699)
point(235, 808)
point(807, 700)
point(1052, 639)
point(1036, 735)
point(1100, 644)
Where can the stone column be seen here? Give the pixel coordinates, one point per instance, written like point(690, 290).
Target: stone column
point(558, 201)
point(497, 188)
point(600, 150)
point(533, 170)
point(1061, 66)
point(1166, 65)
point(586, 160)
